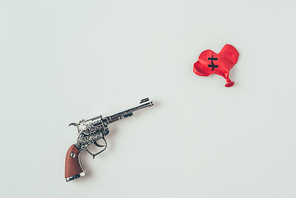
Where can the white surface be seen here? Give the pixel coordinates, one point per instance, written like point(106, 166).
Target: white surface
point(62, 61)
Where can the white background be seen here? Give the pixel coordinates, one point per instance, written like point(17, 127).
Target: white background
point(62, 61)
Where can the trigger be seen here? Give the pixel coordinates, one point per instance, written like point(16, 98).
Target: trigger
point(98, 145)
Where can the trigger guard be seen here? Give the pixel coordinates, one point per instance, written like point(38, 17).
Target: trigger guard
point(98, 145)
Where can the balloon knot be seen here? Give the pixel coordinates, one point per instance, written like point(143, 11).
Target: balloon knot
point(229, 83)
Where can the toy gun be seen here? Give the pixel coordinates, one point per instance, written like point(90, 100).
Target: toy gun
point(90, 131)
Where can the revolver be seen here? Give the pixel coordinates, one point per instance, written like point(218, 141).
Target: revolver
point(90, 132)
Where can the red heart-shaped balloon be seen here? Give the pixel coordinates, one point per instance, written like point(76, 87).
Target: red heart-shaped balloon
point(209, 62)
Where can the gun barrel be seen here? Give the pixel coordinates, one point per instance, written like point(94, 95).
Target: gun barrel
point(128, 112)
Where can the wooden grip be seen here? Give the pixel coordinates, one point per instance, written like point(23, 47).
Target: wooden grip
point(73, 169)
